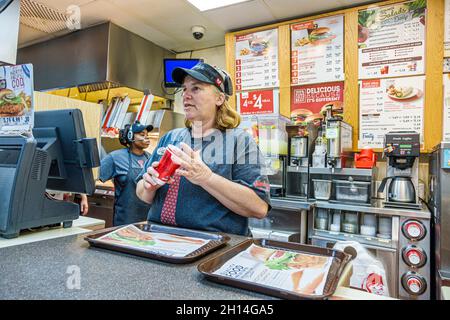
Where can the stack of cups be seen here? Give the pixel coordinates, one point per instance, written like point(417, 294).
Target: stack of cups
point(369, 225)
point(385, 227)
point(336, 224)
point(322, 219)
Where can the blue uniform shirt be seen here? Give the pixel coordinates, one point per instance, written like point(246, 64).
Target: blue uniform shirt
point(233, 154)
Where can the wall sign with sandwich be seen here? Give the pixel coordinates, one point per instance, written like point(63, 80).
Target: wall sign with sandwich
point(311, 101)
point(317, 51)
point(16, 99)
point(391, 40)
point(257, 60)
point(389, 105)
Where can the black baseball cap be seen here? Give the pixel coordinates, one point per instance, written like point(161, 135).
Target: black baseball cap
point(137, 127)
point(205, 73)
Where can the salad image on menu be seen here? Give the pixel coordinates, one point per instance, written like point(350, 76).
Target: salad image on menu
point(391, 40)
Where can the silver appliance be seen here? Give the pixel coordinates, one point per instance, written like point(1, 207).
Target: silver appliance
point(339, 136)
point(300, 158)
point(402, 148)
point(400, 239)
point(439, 202)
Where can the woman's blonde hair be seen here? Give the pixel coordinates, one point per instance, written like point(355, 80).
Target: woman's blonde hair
point(226, 116)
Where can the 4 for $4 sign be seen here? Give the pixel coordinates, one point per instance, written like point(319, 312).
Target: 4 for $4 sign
point(258, 102)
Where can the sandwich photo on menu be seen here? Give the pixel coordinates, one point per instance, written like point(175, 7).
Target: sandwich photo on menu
point(403, 93)
point(13, 105)
point(316, 36)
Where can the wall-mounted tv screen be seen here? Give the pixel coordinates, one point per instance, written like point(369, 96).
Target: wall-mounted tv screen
point(170, 64)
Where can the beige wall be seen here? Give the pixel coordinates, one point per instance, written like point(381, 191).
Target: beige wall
point(214, 56)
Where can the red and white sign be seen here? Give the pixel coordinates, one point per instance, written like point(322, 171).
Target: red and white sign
point(314, 97)
point(258, 102)
point(317, 53)
point(257, 60)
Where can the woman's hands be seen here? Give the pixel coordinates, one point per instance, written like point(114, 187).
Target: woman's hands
point(192, 166)
point(149, 178)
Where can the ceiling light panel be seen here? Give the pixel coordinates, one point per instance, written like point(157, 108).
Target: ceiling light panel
point(204, 5)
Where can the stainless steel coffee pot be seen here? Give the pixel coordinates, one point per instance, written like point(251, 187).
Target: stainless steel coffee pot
point(401, 189)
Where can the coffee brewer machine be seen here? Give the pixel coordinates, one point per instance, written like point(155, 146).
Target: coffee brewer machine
point(301, 140)
point(402, 148)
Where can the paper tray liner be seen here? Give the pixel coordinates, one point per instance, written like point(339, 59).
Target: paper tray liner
point(217, 240)
point(340, 260)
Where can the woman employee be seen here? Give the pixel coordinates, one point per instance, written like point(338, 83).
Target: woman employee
point(221, 182)
point(124, 166)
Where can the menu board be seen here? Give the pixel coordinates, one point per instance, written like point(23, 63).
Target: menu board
point(391, 40)
point(314, 97)
point(258, 102)
point(389, 105)
point(257, 60)
point(317, 51)
point(446, 115)
point(16, 99)
point(447, 29)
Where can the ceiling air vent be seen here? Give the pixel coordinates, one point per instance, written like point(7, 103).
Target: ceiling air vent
point(38, 16)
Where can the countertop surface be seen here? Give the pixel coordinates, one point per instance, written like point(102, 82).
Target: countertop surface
point(48, 270)
point(80, 226)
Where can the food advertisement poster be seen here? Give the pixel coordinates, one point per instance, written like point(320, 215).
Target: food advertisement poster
point(389, 105)
point(258, 102)
point(257, 60)
point(446, 116)
point(391, 40)
point(16, 99)
point(447, 29)
point(317, 51)
point(153, 242)
point(300, 273)
point(313, 99)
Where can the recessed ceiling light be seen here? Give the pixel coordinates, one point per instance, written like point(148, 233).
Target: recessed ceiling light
point(204, 5)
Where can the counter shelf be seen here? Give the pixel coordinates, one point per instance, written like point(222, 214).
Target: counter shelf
point(217, 240)
point(340, 260)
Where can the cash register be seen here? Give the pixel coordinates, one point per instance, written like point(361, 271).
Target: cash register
point(58, 157)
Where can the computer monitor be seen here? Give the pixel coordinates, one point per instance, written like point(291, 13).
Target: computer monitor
point(73, 155)
point(58, 157)
point(170, 64)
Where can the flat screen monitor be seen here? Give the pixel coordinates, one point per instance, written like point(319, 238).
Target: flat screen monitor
point(62, 134)
point(170, 64)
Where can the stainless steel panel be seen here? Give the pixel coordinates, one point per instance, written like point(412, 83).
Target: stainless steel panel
point(103, 53)
point(74, 59)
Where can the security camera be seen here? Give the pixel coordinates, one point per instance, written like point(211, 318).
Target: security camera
point(198, 32)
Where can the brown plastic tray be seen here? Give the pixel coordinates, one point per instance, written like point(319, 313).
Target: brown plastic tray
point(217, 240)
point(340, 260)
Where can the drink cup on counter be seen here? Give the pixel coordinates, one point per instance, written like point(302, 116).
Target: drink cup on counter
point(166, 167)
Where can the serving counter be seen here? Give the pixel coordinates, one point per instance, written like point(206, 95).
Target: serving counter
point(49, 270)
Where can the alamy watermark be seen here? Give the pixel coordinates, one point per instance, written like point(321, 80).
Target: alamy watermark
point(73, 21)
point(73, 281)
